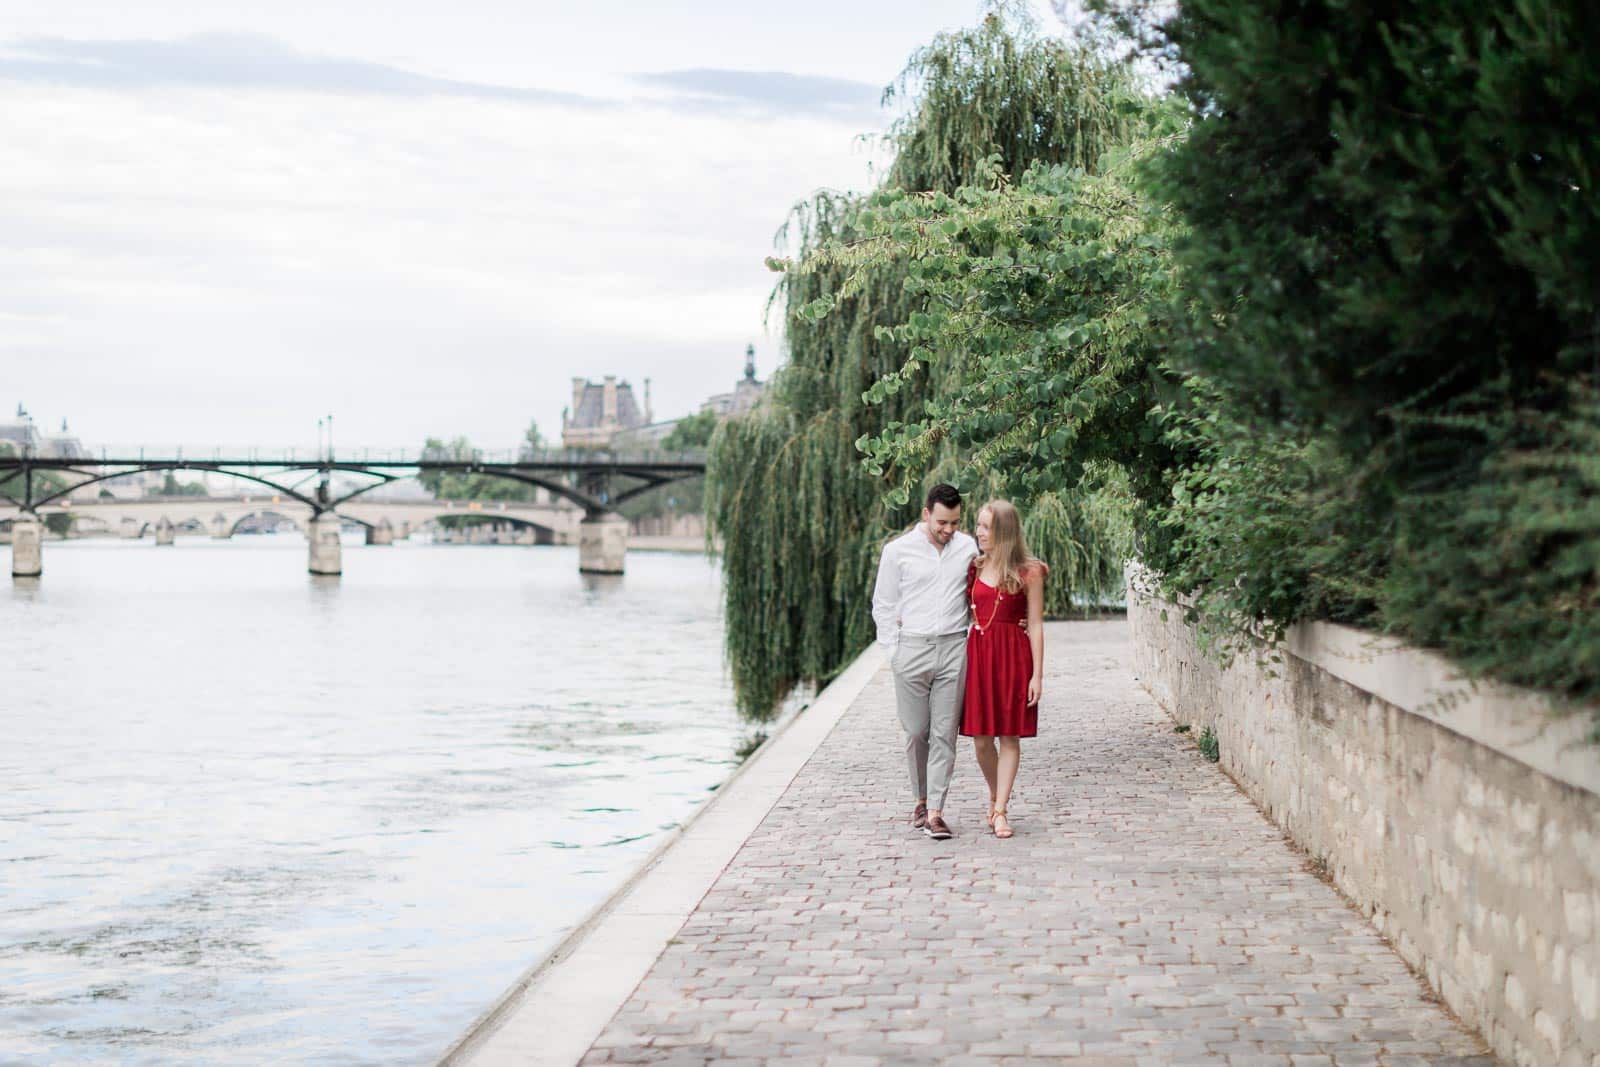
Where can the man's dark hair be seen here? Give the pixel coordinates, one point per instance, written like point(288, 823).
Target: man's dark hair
point(948, 495)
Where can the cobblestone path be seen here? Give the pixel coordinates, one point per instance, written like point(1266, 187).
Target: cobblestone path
point(1145, 913)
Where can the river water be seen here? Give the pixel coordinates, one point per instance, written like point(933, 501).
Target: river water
point(249, 816)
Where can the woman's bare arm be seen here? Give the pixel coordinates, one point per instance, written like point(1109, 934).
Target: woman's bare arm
point(1035, 585)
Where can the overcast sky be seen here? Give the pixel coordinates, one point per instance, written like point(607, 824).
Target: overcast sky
point(222, 220)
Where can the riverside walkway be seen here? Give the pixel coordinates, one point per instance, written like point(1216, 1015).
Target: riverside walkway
point(1144, 913)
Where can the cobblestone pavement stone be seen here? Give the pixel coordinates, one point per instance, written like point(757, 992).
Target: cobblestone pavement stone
point(1144, 913)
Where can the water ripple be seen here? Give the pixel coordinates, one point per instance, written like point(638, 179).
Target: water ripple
point(263, 819)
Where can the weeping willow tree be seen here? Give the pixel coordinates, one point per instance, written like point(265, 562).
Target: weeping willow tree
point(800, 520)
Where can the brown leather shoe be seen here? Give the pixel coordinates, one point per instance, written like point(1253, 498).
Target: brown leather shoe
point(937, 828)
point(919, 817)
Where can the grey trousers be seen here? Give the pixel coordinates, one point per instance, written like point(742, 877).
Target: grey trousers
point(930, 676)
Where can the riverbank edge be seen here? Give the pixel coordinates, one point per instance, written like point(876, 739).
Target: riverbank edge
point(665, 543)
point(554, 1012)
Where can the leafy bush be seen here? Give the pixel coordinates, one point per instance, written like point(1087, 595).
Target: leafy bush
point(1505, 573)
point(1390, 244)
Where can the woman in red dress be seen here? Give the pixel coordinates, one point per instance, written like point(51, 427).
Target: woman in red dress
point(1005, 652)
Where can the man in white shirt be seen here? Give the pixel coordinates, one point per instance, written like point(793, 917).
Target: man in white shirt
point(920, 606)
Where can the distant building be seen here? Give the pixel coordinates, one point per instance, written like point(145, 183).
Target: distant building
point(608, 417)
point(644, 438)
point(600, 411)
point(22, 434)
point(65, 445)
point(745, 394)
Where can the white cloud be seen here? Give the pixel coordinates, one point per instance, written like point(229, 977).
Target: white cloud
point(228, 266)
point(421, 221)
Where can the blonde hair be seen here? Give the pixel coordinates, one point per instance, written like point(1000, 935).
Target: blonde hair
point(1008, 545)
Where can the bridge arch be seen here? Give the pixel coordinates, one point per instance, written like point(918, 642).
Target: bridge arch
point(263, 513)
point(146, 524)
point(91, 478)
point(542, 534)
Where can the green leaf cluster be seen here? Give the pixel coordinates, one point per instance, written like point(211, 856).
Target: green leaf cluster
point(45, 483)
point(1043, 312)
point(170, 486)
point(800, 519)
point(691, 432)
point(1389, 240)
point(460, 485)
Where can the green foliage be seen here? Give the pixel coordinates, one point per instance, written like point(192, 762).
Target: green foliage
point(170, 486)
point(1401, 171)
point(800, 520)
point(1258, 529)
point(1391, 247)
point(787, 575)
point(14, 484)
point(685, 497)
point(1505, 573)
point(1001, 94)
point(456, 485)
point(1044, 320)
point(1208, 745)
point(690, 432)
point(1085, 537)
point(1326, 345)
point(1039, 308)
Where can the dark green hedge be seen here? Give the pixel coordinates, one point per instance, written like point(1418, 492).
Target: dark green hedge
point(1390, 245)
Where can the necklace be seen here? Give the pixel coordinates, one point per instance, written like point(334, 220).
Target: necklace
point(984, 626)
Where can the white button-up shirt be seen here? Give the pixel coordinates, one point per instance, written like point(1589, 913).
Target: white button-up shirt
point(920, 589)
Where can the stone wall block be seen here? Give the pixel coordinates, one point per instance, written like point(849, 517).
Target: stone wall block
point(1586, 986)
point(1514, 997)
point(1579, 914)
point(1587, 846)
point(1549, 1031)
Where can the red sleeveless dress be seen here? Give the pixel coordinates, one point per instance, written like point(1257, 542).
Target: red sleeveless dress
point(999, 663)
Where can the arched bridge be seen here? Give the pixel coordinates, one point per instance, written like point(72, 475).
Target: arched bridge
point(550, 521)
point(572, 490)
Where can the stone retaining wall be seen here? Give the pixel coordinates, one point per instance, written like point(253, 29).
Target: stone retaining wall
point(1465, 821)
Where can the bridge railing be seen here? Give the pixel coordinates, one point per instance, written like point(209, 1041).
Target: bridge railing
point(313, 455)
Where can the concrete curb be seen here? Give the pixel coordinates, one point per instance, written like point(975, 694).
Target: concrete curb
point(555, 1011)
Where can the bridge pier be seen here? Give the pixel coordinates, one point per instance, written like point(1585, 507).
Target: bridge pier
point(602, 543)
point(221, 528)
point(381, 534)
point(166, 533)
point(27, 546)
point(326, 552)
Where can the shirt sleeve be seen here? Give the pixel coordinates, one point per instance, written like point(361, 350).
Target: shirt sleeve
point(886, 598)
